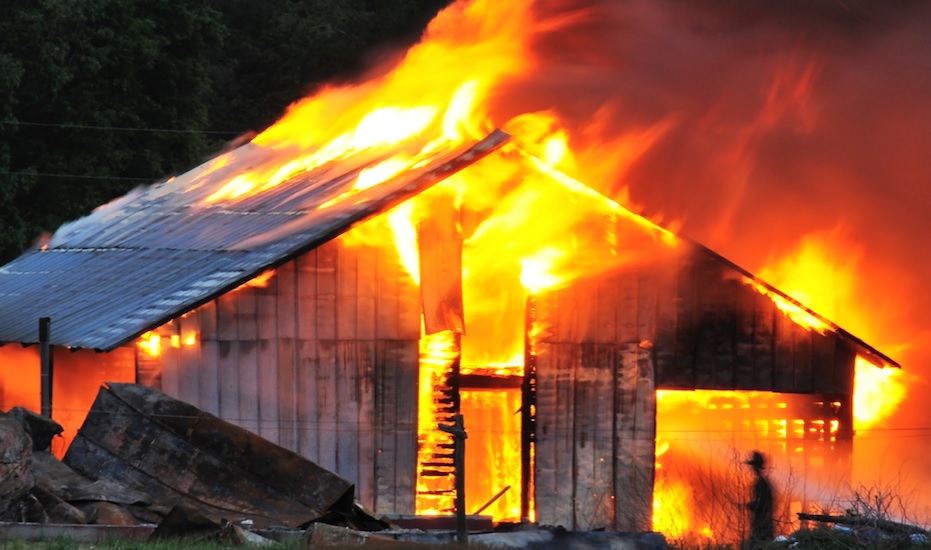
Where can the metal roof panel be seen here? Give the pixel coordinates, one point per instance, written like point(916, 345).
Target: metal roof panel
point(158, 252)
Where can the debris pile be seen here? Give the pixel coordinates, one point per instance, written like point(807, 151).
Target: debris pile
point(858, 531)
point(147, 466)
point(142, 458)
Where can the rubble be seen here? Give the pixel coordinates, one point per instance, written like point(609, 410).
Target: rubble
point(858, 522)
point(16, 478)
point(141, 456)
point(147, 466)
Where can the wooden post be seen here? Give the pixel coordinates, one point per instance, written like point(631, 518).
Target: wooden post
point(45, 361)
point(528, 409)
point(459, 436)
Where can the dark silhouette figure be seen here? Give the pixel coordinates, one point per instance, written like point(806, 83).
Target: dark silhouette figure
point(762, 531)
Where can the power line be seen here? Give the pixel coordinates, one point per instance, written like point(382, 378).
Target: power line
point(50, 175)
point(119, 128)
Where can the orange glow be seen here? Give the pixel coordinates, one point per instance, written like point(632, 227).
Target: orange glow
point(702, 440)
point(434, 484)
point(797, 312)
point(150, 343)
point(76, 381)
point(822, 273)
point(877, 393)
point(671, 502)
point(259, 281)
point(493, 451)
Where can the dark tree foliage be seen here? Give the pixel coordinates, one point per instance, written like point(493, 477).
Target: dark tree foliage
point(100, 96)
point(84, 72)
point(280, 49)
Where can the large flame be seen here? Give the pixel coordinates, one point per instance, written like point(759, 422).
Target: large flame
point(821, 273)
point(424, 102)
point(531, 222)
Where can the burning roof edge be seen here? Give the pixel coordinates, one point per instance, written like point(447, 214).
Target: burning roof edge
point(868, 352)
point(302, 242)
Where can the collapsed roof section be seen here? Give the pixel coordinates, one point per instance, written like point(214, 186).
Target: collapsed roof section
point(159, 252)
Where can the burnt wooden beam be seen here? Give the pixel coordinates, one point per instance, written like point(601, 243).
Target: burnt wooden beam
point(489, 382)
point(439, 246)
point(45, 353)
point(528, 402)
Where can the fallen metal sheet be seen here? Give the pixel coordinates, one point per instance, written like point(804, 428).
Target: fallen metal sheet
point(181, 455)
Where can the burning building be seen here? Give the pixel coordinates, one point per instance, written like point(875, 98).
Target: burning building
point(383, 259)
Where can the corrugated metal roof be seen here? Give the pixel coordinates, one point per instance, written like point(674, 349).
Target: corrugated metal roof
point(158, 252)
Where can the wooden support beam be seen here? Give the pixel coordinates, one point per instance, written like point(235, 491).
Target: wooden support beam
point(45, 352)
point(457, 430)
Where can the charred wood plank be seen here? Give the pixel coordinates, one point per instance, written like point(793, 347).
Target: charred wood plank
point(178, 449)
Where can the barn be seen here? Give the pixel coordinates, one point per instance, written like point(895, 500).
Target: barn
point(347, 320)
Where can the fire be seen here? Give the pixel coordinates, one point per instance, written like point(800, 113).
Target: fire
point(533, 226)
point(438, 352)
point(702, 440)
point(822, 273)
point(877, 393)
point(150, 343)
point(529, 221)
point(797, 312)
point(671, 502)
point(422, 104)
point(259, 281)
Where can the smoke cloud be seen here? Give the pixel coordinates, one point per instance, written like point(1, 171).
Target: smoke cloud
point(779, 122)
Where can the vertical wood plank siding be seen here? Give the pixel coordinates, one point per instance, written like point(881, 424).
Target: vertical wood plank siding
point(321, 360)
point(324, 361)
point(722, 334)
point(683, 321)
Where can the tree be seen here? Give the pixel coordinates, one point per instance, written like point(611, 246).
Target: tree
point(96, 96)
point(99, 96)
point(280, 50)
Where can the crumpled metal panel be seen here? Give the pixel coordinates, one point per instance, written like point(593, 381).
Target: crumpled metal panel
point(177, 454)
point(159, 252)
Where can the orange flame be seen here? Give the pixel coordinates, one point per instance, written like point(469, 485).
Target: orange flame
point(797, 312)
point(487, 40)
point(437, 353)
point(150, 343)
point(877, 393)
point(532, 225)
point(822, 273)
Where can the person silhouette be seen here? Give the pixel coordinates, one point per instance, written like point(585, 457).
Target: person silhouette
point(762, 530)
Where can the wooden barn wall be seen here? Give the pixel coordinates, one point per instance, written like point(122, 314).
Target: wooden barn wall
point(596, 413)
point(716, 332)
point(322, 360)
point(686, 321)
